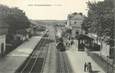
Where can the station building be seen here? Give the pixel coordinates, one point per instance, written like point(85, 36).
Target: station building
point(74, 22)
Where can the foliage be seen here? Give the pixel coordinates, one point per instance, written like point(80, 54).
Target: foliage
point(14, 17)
point(100, 18)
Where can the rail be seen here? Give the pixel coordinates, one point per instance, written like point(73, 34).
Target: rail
point(34, 59)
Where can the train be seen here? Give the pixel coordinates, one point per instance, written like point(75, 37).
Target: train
point(60, 42)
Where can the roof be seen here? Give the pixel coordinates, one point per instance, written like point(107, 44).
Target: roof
point(84, 37)
point(21, 31)
point(76, 16)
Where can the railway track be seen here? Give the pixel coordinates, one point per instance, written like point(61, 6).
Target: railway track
point(35, 62)
point(63, 65)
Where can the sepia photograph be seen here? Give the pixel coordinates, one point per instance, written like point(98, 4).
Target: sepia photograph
point(57, 36)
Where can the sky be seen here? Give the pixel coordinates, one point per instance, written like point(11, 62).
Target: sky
point(49, 9)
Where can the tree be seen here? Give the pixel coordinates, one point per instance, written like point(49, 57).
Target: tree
point(16, 20)
point(14, 17)
point(100, 18)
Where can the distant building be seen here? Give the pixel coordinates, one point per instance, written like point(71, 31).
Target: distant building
point(74, 22)
point(3, 32)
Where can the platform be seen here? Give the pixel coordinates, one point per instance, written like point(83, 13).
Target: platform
point(78, 59)
point(16, 58)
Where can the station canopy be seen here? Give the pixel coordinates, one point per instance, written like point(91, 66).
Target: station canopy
point(84, 37)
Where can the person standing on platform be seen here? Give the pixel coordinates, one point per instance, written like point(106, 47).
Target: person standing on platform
point(89, 67)
point(85, 67)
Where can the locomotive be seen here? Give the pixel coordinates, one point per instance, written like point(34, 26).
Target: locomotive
point(59, 42)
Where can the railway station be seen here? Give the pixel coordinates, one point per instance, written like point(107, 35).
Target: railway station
point(40, 55)
point(73, 36)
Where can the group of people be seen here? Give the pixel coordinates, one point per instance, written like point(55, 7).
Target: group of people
point(88, 67)
point(69, 43)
